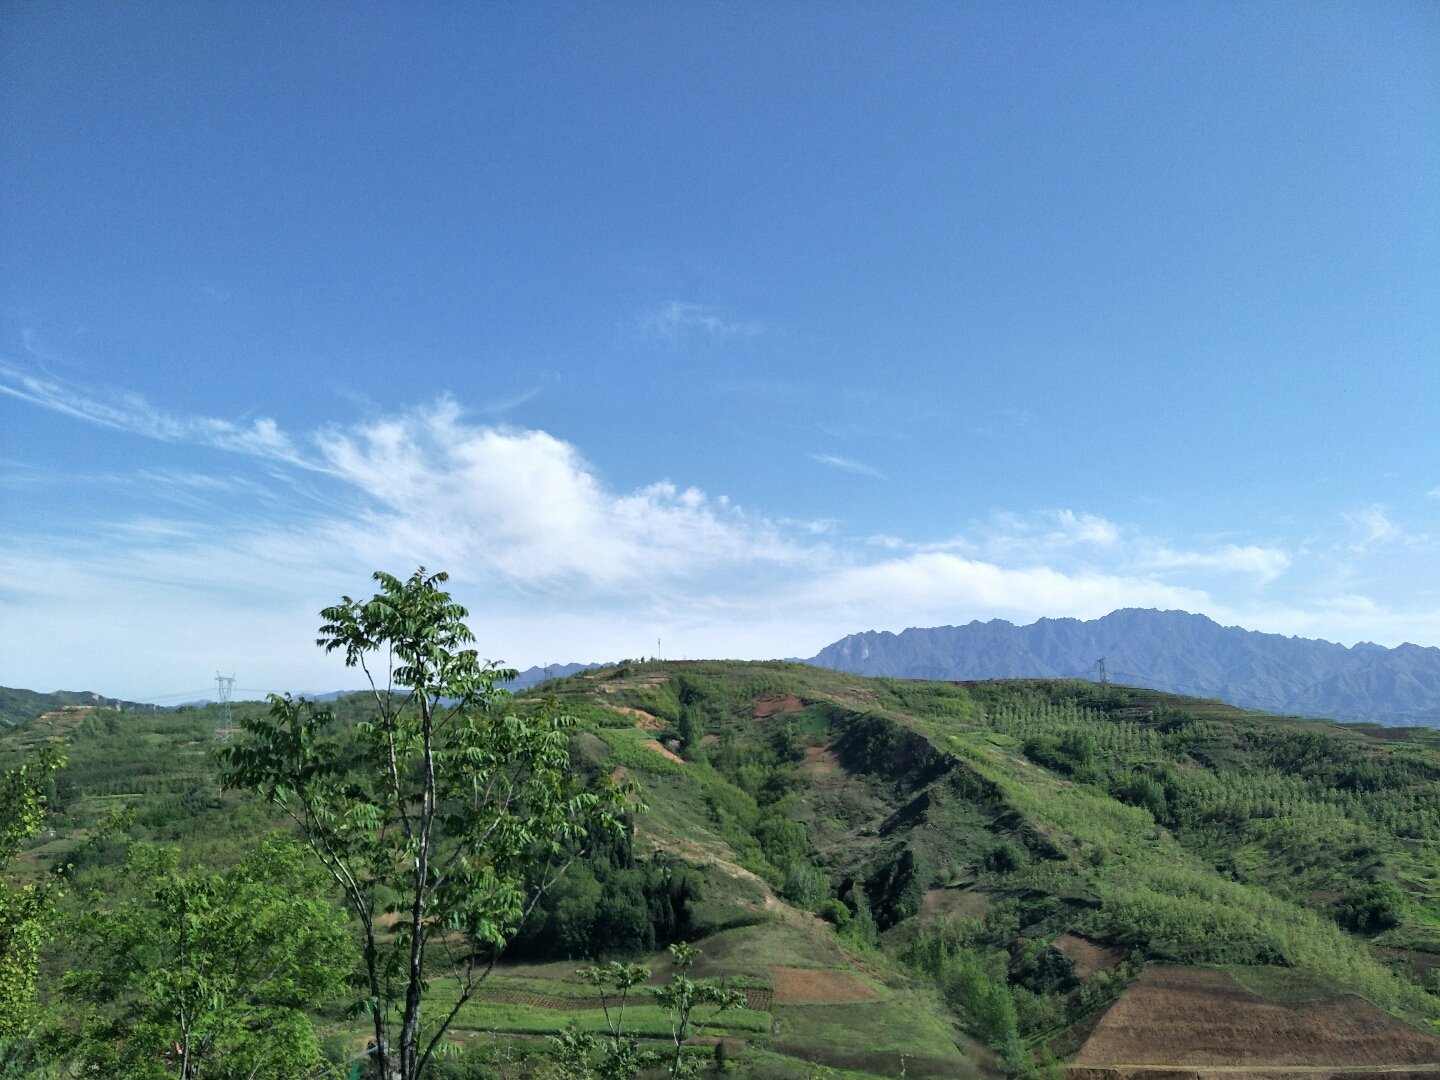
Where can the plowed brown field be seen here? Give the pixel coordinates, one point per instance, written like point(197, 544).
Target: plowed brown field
point(814, 986)
point(1178, 1021)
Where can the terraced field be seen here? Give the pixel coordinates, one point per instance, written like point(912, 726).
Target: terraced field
point(1198, 1022)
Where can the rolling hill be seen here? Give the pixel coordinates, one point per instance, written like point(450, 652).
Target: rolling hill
point(919, 879)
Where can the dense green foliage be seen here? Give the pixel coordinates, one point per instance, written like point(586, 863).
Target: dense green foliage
point(206, 974)
point(25, 909)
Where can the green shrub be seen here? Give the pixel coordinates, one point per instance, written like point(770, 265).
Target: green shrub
point(1372, 907)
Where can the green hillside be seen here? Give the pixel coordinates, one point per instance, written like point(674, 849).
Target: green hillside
point(19, 706)
point(901, 878)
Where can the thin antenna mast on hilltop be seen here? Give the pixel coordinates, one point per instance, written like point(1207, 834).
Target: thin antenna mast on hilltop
point(223, 685)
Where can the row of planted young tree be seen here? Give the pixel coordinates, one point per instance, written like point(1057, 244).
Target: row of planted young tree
point(441, 821)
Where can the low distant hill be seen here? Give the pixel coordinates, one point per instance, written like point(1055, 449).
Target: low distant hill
point(18, 706)
point(1173, 651)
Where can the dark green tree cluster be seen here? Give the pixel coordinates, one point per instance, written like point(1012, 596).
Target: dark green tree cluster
point(1371, 907)
point(609, 904)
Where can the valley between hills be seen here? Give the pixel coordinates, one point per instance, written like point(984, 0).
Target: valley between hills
point(898, 878)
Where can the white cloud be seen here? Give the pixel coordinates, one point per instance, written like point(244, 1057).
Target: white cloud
point(681, 318)
point(1083, 529)
point(1372, 526)
point(844, 464)
point(1342, 617)
point(948, 587)
point(526, 506)
point(1264, 563)
point(1049, 536)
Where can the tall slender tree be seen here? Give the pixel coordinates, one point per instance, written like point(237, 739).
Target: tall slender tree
point(441, 818)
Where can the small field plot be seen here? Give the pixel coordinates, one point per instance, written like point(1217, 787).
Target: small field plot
point(809, 986)
point(755, 950)
point(1177, 1018)
point(1089, 958)
point(891, 1036)
point(520, 1006)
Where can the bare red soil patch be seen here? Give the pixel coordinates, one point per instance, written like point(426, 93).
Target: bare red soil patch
point(1088, 958)
point(1176, 1018)
point(653, 744)
point(643, 719)
point(816, 986)
point(820, 761)
point(775, 704)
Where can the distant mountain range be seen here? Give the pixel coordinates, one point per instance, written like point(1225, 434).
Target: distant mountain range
point(1172, 651)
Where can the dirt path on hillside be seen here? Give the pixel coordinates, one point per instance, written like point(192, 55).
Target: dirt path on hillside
point(653, 744)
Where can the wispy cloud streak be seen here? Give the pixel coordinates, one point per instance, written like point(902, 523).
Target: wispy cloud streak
point(680, 318)
point(844, 464)
point(132, 413)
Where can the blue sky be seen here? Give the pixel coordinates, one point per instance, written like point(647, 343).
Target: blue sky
point(738, 326)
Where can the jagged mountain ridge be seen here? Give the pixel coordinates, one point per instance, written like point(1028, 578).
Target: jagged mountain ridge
point(1173, 651)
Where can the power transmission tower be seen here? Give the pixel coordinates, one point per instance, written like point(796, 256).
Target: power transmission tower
point(223, 685)
point(1104, 678)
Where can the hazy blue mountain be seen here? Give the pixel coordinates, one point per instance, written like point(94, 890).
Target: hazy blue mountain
point(535, 675)
point(1167, 650)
